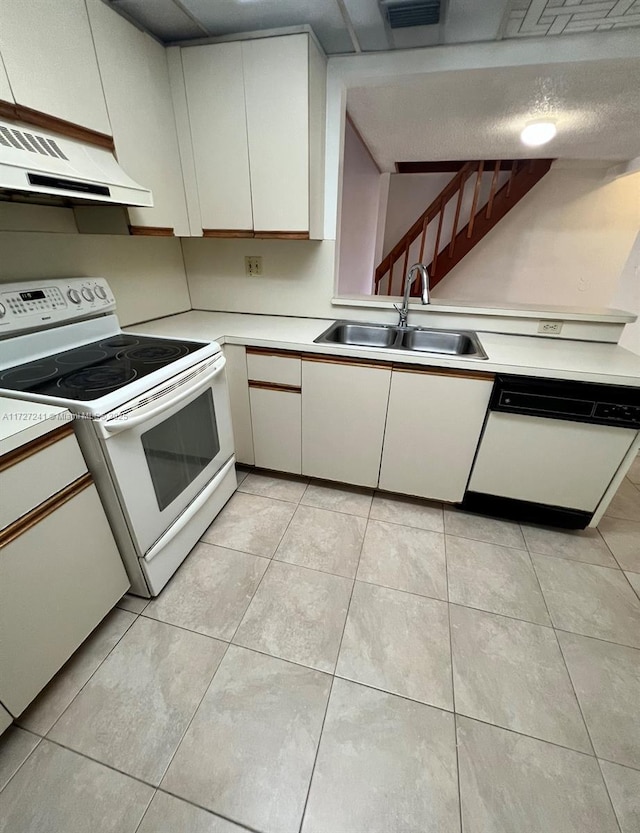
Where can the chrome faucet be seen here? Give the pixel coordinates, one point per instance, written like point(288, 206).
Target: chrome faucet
point(411, 276)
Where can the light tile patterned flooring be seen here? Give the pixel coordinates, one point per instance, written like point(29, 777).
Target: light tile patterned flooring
point(333, 661)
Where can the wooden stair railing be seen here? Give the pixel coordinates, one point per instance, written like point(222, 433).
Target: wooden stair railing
point(523, 175)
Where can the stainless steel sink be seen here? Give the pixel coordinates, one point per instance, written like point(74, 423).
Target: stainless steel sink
point(361, 335)
point(441, 341)
point(462, 343)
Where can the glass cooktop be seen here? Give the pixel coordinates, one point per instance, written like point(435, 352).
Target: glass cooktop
point(96, 369)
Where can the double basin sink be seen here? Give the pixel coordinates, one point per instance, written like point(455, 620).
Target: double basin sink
point(461, 343)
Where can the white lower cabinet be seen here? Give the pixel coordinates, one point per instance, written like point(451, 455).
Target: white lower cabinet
point(434, 423)
point(236, 372)
point(277, 426)
point(344, 405)
point(60, 574)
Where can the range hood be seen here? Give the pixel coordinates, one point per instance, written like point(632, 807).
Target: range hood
point(34, 162)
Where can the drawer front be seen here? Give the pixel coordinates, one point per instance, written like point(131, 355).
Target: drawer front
point(58, 579)
point(279, 370)
point(29, 481)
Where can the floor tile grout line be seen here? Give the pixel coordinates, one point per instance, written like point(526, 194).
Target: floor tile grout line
point(333, 677)
point(212, 813)
point(453, 686)
point(195, 711)
point(153, 795)
point(564, 662)
point(228, 644)
point(10, 779)
point(88, 680)
point(315, 757)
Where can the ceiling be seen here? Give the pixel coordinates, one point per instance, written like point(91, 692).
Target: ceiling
point(347, 26)
point(479, 114)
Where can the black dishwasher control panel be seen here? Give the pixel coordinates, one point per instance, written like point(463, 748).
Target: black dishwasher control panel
point(575, 401)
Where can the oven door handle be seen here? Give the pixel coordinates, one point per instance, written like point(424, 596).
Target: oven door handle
point(194, 507)
point(114, 426)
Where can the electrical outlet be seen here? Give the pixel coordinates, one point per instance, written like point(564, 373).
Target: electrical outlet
point(253, 266)
point(550, 327)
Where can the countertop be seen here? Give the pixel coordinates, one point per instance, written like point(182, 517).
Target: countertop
point(520, 355)
point(21, 422)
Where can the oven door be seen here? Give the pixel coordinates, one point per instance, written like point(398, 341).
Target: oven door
point(164, 447)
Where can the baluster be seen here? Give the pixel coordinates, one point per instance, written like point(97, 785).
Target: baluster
point(514, 166)
point(494, 185)
point(390, 277)
point(406, 266)
point(456, 218)
point(476, 193)
point(437, 245)
point(425, 226)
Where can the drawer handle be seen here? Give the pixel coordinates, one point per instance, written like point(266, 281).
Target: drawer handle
point(37, 515)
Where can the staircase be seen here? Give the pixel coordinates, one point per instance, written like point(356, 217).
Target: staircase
point(493, 186)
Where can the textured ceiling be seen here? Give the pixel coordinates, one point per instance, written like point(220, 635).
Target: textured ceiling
point(479, 114)
point(345, 26)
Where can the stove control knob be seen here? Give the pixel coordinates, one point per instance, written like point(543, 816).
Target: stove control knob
point(87, 294)
point(100, 292)
point(74, 296)
point(3, 310)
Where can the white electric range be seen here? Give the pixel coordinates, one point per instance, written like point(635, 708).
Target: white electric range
point(152, 415)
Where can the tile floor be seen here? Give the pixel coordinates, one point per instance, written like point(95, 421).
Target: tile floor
point(333, 661)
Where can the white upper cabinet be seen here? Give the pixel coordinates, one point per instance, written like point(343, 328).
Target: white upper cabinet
point(50, 60)
point(135, 76)
point(214, 84)
point(255, 135)
point(5, 89)
point(276, 80)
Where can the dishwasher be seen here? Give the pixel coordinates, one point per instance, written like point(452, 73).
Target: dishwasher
point(550, 449)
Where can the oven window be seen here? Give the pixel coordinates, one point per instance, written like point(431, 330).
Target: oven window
point(181, 447)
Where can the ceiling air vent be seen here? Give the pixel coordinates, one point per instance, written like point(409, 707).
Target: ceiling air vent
point(412, 13)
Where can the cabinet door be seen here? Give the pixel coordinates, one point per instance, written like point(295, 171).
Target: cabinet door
point(343, 414)
point(49, 56)
point(58, 579)
point(433, 428)
point(5, 89)
point(135, 76)
point(214, 84)
point(276, 420)
point(276, 76)
point(236, 371)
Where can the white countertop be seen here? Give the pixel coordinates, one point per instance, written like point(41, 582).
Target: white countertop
point(21, 422)
point(521, 355)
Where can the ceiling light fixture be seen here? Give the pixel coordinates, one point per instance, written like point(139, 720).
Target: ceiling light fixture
point(538, 133)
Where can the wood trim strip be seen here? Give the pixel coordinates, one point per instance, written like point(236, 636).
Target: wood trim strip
point(443, 371)
point(11, 458)
point(354, 127)
point(281, 235)
point(226, 232)
point(8, 110)
point(324, 359)
point(274, 386)
point(270, 351)
point(151, 231)
point(37, 515)
point(36, 118)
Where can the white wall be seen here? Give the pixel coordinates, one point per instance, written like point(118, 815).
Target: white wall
point(358, 216)
point(297, 276)
point(409, 195)
point(146, 273)
point(627, 296)
point(566, 242)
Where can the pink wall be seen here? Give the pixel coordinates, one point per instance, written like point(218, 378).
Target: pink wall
point(358, 218)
